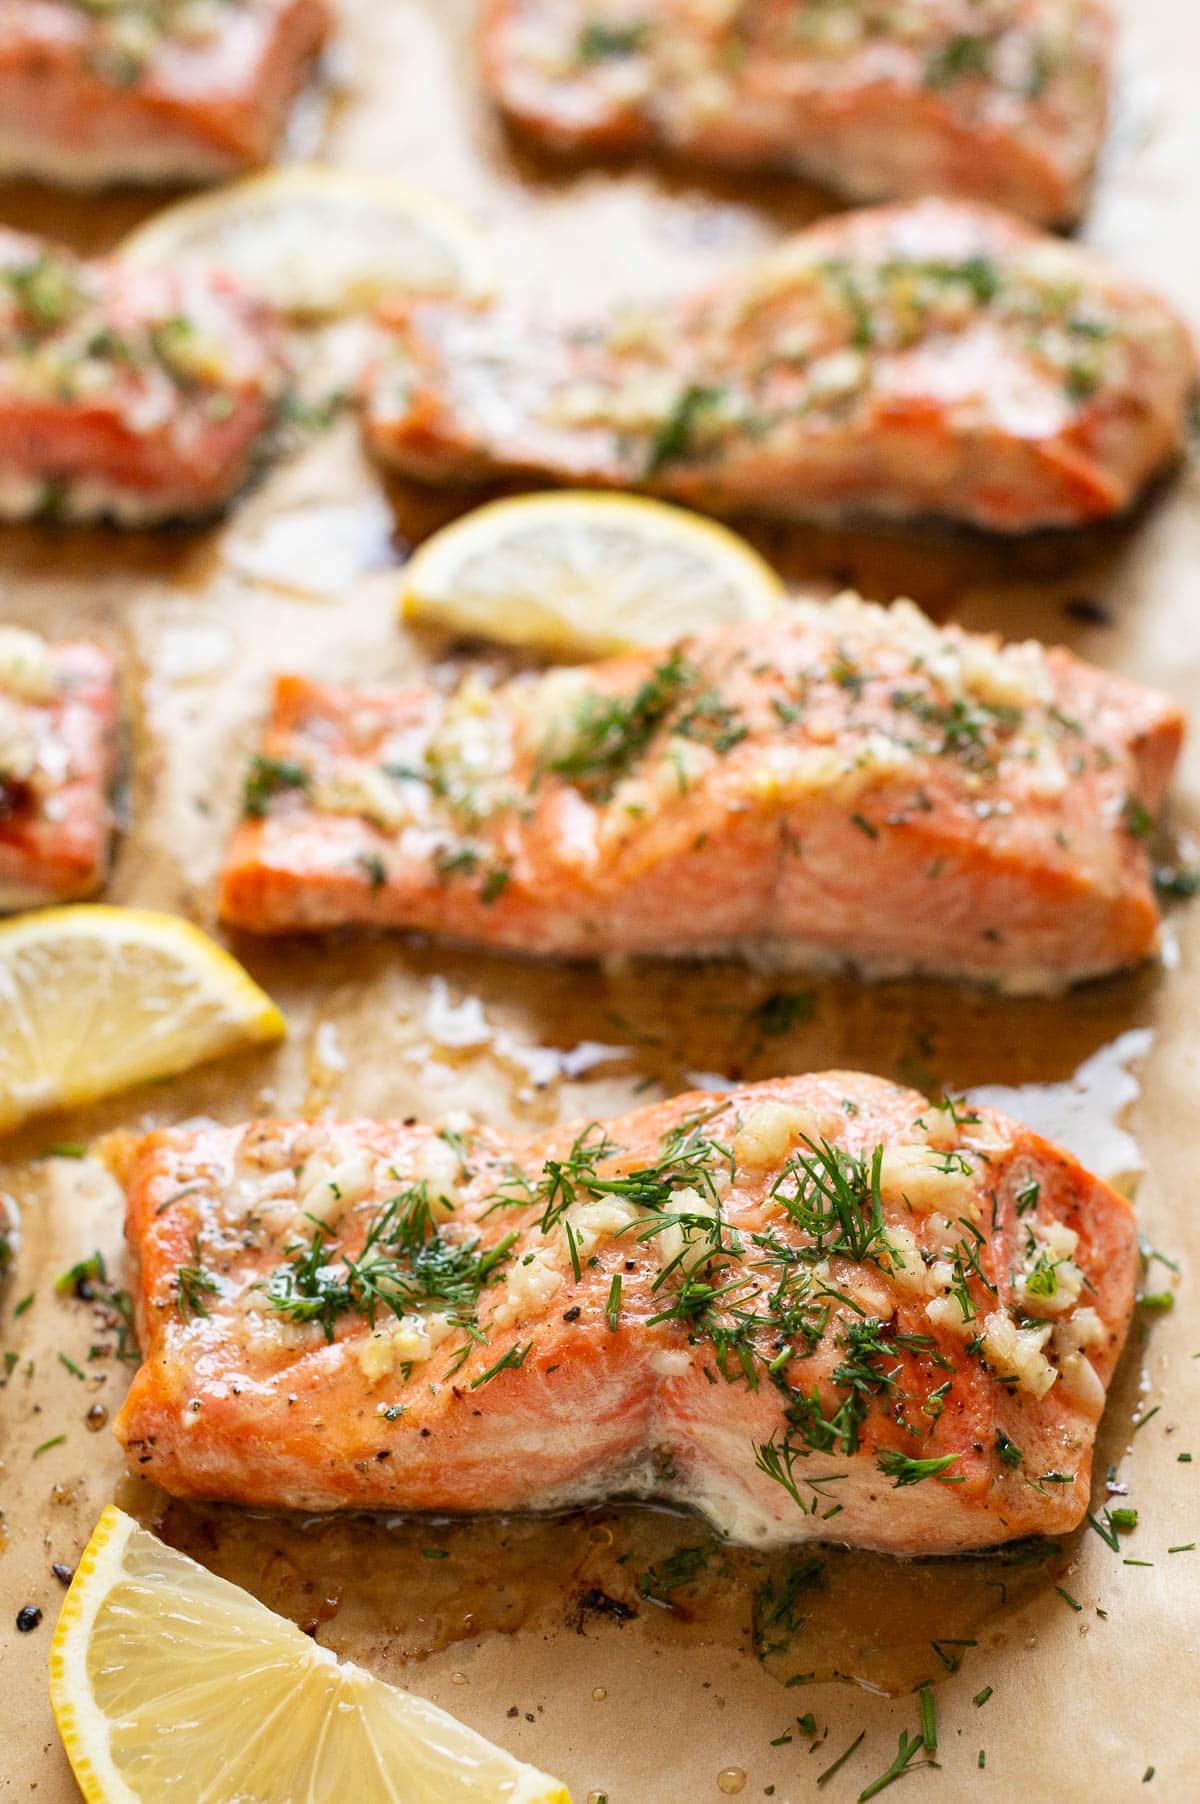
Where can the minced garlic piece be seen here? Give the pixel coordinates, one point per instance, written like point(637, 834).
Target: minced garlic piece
point(601, 1219)
point(770, 1131)
point(18, 746)
point(437, 1167)
point(684, 763)
point(946, 1309)
point(683, 1246)
point(26, 666)
point(1051, 1282)
point(1082, 1328)
point(330, 1185)
point(1014, 1352)
point(351, 787)
point(1072, 1336)
point(408, 1341)
point(549, 708)
point(905, 1267)
point(532, 1282)
point(909, 1173)
point(789, 774)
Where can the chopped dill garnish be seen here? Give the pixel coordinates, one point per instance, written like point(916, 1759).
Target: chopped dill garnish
point(781, 1012)
point(511, 1362)
point(404, 1263)
point(675, 438)
point(269, 777)
point(683, 1567)
point(192, 1285)
point(906, 1754)
point(612, 731)
point(908, 1471)
point(599, 40)
point(777, 1618)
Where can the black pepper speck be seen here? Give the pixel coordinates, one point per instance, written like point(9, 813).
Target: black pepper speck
point(28, 1618)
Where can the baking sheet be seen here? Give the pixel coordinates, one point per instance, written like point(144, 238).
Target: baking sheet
point(515, 1629)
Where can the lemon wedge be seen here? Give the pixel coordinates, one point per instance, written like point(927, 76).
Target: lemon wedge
point(168, 1682)
point(95, 999)
point(582, 574)
point(316, 241)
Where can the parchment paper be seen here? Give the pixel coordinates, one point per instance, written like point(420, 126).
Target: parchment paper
point(303, 576)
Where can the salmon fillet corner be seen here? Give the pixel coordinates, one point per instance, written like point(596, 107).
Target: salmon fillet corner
point(182, 90)
point(58, 755)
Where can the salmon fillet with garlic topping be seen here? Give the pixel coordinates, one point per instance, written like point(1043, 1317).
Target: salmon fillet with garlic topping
point(848, 784)
point(997, 100)
point(937, 359)
point(820, 1307)
point(136, 395)
point(58, 754)
point(149, 91)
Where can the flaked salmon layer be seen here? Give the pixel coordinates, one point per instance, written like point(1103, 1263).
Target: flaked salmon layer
point(134, 395)
point(1003, 101)
point(848, 784)
point(819, 1307)
point(58, 755)
point(937, 359)
point(170, 91)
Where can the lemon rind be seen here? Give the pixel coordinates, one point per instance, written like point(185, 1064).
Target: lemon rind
point(427, 598)
point(170, 232)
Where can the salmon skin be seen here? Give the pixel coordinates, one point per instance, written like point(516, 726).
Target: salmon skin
point(1004, 102)
point(849, 784)
point(170, 91)
point(819, 1307)
point(932, 360)
point(128, 394)
point(58, 754)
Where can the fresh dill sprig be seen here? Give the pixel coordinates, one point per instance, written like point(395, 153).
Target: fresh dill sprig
point(404, 1263)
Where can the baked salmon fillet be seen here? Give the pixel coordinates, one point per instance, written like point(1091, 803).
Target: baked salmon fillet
point(94, 92)
point(130, 394)
point(999, 100)
point(820, 1307)
point(58, 757)
point(849, 784)
point(937, 359)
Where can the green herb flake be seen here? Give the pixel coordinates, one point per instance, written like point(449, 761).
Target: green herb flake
point(598, 41)
point(675, 439)
point(267, 778)
point(908, 1471)
point(839, 1763)
point(906, 1754)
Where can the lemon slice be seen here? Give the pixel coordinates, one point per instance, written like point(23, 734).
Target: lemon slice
point(582, 574)
point(95, 999)
point(318, 241)
point(168, 1682)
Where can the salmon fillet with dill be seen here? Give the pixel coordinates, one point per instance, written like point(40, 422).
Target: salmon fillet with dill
point(847, 785)
point(933, 360)
point(126, 394)
point(820, 1307)
point(997, 100)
